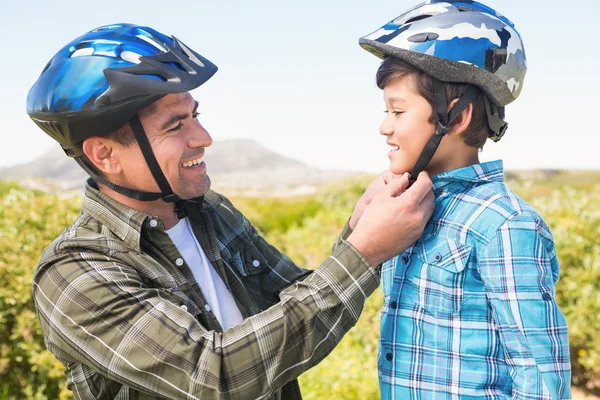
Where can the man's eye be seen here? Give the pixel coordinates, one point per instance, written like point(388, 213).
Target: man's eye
point(178, 127)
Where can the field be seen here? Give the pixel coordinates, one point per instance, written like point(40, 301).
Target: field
point(304, 228)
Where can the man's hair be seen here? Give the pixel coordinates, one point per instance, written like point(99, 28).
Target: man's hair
point(124, 136)
point(476, 133)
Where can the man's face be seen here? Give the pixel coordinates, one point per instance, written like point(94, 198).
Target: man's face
point(178, 141)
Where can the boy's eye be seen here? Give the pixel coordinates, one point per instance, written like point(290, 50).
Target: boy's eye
point(393, 112)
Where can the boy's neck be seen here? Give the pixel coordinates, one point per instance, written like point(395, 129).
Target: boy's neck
point(460, 159)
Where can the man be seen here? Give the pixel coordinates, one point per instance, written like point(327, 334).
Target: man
point(161, 288)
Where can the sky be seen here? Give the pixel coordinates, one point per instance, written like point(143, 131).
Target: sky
point(293, 77)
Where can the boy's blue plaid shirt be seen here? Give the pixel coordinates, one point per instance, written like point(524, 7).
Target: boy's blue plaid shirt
point(469, 310)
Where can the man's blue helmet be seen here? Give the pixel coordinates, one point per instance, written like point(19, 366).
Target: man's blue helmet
point(99, 81)
point(457, 41)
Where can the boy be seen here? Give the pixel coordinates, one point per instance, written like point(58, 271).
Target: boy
point(469, 309)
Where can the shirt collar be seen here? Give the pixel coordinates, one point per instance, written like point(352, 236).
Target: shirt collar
point(491, 171)
point(123, 221)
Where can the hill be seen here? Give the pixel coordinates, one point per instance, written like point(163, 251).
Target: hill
point(239, 166)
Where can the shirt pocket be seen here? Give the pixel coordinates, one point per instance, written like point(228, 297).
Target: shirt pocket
point(439, 275)
point(248, 261)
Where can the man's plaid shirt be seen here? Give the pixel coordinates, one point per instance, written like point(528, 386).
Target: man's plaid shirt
point(470, 310)
point(122, 311)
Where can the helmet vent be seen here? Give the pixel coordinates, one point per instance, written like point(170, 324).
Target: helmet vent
point(47, 66)
point(131, 57)
point(52, 128)
point(467, 9)
point(152, 42)
point(85, 51)
point(417, 18)
point(107, 28)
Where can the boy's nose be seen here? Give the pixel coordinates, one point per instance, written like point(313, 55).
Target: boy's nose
point(386, 129)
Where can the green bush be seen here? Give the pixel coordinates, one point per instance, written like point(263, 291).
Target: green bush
point(304, 228)
point(573, 213)
point(29, 221)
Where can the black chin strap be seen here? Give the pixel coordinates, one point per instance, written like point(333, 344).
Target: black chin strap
point(445, 118)
point(495, 116)
point(166, 192)
point(132, 193)
point(140, 135)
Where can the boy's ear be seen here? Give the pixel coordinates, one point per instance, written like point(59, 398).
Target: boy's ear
point(461, 123)
point(102, 153)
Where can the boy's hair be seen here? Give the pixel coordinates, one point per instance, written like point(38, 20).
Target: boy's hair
point(476, 133)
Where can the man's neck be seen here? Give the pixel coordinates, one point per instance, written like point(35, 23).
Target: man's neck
point(158, 208)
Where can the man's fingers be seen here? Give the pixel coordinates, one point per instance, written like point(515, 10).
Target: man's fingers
point(389, 175)
point(421, 188)
point(397, 186)
point(428, 202)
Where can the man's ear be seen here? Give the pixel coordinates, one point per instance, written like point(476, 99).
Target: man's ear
point(102, 153)
point(461, 123)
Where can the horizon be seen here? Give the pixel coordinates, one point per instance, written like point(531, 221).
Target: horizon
point(293, 78)
point(54, 149)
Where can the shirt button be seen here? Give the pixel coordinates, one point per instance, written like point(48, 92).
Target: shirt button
point(547, 296)
point(437, 257)
point(153, 223)
point(184, 307)
point(256, 263)
point(394, 305)
point(179, 262)
point(404, 259)
point(207, 308)
point(389, 356)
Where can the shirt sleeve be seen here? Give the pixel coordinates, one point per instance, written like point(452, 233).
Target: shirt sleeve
point(97, 311)
point(519, 269)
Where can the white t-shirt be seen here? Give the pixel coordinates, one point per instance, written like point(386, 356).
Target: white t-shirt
point(213, 288)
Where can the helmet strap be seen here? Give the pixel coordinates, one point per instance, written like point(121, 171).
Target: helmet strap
point(166, 192)
point(445, 118)
point(495, 119)
point(131, 193)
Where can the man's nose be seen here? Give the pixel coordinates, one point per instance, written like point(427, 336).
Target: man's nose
point(199, 137)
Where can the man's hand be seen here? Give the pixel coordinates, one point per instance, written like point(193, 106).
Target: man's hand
point(393, 219)
point(377, 184)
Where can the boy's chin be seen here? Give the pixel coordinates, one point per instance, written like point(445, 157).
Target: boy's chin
point(399, 169)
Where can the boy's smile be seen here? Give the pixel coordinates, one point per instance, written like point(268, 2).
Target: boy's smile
point(407, 125)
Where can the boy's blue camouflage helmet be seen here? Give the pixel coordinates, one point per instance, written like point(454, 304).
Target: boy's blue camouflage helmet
point(457, 41)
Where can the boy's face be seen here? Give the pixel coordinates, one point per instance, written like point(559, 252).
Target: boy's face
point(406, 125)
